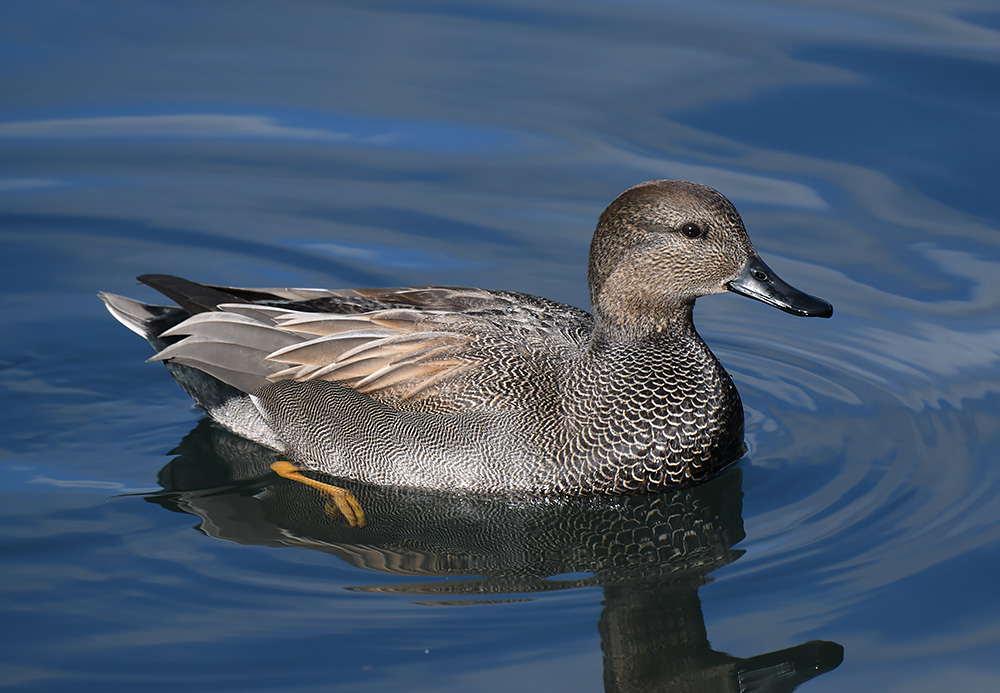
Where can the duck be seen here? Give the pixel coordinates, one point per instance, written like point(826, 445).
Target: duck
point(460, 389)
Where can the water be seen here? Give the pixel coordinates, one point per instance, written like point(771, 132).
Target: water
point(471, 143)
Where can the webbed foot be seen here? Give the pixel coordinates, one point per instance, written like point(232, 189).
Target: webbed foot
point(340, 499)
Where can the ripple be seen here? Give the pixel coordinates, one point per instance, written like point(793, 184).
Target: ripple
point(871, 448)
point(326, 128)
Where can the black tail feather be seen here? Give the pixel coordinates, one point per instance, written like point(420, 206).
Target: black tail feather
point(190, 296)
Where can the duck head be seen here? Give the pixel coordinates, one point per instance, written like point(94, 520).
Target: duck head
point(662, 244)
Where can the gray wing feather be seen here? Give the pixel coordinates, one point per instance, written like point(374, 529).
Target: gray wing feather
point(403, 341)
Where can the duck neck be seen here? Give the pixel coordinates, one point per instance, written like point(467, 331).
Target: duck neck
point(662, 323)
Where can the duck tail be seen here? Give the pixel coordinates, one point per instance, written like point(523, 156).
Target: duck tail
point(194, 298)
point(146, 320)
point(226, 404)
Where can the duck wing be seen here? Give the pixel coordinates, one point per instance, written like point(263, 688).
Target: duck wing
point(399, 344)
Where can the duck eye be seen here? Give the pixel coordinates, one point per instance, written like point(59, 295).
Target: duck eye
point(692, 230)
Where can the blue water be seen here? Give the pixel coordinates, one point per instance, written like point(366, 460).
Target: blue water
point(392, 143)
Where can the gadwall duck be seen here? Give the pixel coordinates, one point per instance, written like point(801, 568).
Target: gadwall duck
point(488, 391)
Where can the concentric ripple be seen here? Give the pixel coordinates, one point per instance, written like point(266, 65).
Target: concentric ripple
point(871, 447)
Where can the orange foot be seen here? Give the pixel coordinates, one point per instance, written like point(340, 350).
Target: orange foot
point(344, 501)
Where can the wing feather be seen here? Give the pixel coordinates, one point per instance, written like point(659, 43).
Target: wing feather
point(404, 342)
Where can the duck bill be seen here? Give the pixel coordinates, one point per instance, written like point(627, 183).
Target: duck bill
point(758, 281)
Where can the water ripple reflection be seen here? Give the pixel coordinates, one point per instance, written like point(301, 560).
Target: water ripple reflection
point(649, 555)
point(871, 449)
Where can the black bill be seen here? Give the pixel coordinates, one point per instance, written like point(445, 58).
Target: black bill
point(758, 281)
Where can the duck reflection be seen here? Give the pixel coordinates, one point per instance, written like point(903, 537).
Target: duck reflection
point(650, 554)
